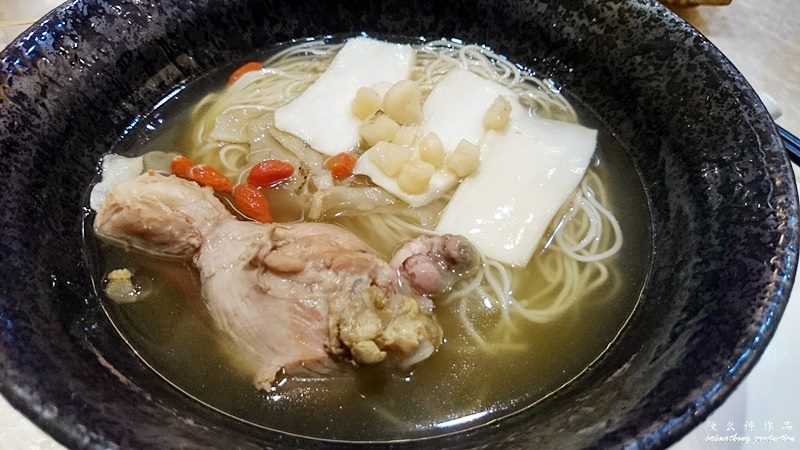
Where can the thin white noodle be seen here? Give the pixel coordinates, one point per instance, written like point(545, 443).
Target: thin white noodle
point(574, 259)
point(231, 162)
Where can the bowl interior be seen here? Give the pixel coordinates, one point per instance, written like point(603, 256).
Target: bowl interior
point(720, 192)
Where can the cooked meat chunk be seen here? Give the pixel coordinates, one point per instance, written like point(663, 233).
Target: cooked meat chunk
point(163, 215)
point(433, 264)
point(277, 325)
point(292, 296)
point(376, 326)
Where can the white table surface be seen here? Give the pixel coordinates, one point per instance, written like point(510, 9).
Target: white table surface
point(762, 38)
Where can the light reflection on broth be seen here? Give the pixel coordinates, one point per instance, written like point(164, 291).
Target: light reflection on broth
point(458, 387)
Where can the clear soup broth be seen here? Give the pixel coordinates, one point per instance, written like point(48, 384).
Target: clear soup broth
point(459, 387)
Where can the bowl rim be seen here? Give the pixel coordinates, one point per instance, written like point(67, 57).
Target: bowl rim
point(661, 433)
point(741, 364)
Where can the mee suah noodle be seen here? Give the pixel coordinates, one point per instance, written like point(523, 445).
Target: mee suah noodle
point(532, 321)
point(571, 261)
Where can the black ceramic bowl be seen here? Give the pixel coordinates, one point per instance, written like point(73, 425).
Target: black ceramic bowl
point(721, 194)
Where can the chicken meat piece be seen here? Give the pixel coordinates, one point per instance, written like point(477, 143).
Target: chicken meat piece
point(162, 215)
point(432, 265)
point(294, 297)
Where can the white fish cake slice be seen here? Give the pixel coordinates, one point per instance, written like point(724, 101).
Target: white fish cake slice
point(526, 173)
point(322, 115)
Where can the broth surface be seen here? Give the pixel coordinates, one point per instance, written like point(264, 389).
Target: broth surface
point(457, 388)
